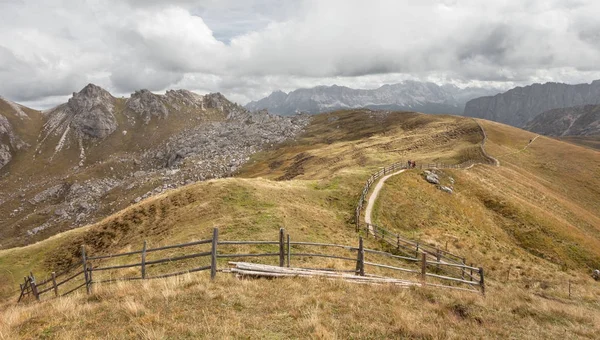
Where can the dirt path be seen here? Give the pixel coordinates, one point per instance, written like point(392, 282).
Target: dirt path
point(525, 148)
point(373, 197)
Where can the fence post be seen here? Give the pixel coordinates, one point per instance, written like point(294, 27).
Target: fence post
point(90, 274)
point(144, 261)
point(85, 271)
point(463, 269)
point(27, 284)
point(360, 258)
point(481, 281)
point(33, 286)
point(281, 248)
point(213, 254)
point(423, 267)
point(417, 250)
point(471, 277)
point(438, 257)
point(22, 292)
point(289, 251)
point(398, 244)
point(54, 284)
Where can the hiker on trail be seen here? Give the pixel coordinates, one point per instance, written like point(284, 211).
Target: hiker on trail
point(596, 274)
point(409, 164)
point(414, 164)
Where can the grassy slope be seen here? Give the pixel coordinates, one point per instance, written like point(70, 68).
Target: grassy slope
point(587, 141)
point(325, 170)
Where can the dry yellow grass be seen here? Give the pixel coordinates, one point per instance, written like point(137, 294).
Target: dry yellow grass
point(310, 187)
point(193, 307)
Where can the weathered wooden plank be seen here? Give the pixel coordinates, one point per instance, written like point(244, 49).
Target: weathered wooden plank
point(178, 258)
point(144, 260)
point(325, 256)
point(33, 286)
point(323, 245)
point(390, 255)
point(482, 282)
point(69, 278)
point(213, 254)
point(74, 289)
point(247, 242)
point(181, 245)
point(281, 248)
point(121, 266)
point(289, 251)
point(247, 255)
point(85, 271)
point(54, 286)
point(423, 266)
point(451, 279)
point(100, 257)
point(361, 257)
point(392, 267)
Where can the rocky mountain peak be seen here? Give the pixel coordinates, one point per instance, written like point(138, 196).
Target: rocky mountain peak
point(147, 105)
point(181, 98)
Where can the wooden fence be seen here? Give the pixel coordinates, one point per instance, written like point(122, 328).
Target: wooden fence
point(284, 250)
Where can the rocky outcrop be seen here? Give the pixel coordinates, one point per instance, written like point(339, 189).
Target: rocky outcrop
point(133, 148)
point(10, 142)
point(88, 114)
point(570, 121)
point(408, 96)
point(518, 106)
point(147, 105)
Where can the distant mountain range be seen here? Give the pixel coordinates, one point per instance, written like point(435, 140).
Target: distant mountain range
point(518, 106)
point(409, 96)
point(570, 121)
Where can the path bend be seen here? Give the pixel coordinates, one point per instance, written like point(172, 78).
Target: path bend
point(373, 197)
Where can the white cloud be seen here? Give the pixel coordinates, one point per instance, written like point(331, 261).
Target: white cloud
point(247, 49)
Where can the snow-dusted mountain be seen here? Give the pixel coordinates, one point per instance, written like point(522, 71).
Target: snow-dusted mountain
point(408, 95)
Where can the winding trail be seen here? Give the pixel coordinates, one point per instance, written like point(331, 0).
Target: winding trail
point(525, 148)
point(373, 198)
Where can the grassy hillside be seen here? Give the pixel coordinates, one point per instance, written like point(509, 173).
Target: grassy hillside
point(587, 141)
point(309, 187)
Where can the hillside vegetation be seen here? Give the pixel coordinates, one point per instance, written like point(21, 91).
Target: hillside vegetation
point(310, 186)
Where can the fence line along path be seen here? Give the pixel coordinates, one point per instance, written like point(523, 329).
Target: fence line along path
point(348, 262)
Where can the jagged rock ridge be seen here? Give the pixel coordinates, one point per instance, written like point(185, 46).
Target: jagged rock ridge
point(518, 106)
point(408, 95)
point(571, 121)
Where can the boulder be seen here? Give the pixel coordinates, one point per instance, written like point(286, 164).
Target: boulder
point(432, 178)
point(446, 189)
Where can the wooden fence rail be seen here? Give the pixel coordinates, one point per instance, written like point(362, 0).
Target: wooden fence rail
point(287, 251)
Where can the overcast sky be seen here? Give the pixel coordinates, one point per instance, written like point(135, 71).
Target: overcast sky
point(246, 49)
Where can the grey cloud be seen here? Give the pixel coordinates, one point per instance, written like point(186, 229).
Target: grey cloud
point(129, 78)
point(248, 48)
